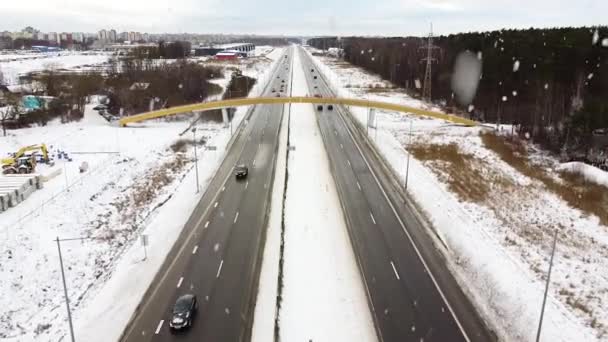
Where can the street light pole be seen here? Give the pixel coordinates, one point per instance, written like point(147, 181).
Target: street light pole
point(407, 167)
point(65, 291)
point(195, 157)
point(542, 310)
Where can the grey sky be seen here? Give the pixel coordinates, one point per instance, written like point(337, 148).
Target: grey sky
point(299, 17)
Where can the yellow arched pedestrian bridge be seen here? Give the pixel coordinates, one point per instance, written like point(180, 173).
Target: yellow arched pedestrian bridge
point(203, 106)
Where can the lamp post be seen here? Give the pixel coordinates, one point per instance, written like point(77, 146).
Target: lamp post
point(65, 287)
point(407, 167)
point(195, 157)
point(542, 310)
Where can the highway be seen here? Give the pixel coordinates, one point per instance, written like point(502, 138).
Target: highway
point(411, 294)
point(217, 256)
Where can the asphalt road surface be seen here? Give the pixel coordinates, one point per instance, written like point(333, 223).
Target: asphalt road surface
point(217, 256)
point(410, 292)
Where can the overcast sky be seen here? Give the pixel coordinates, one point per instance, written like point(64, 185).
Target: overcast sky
point(299, 17)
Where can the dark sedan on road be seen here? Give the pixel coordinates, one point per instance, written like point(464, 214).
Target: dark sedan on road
point(183, 312)
point(241, 171)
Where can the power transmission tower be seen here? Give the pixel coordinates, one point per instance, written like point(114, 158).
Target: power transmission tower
point(426, 90)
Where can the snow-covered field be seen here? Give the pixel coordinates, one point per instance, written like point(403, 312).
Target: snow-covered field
point(495, 220)
point(323, 295)
point(59, 60)
point(145, 188)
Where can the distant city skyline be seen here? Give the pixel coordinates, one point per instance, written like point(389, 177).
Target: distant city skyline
point(278, 17)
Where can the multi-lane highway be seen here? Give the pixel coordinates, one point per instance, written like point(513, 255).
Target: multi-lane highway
point(218, 254)
point(411, 294)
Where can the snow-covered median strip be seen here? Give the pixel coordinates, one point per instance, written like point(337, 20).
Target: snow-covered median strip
point(323, 296)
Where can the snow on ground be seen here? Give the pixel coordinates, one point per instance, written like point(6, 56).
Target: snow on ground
point(590, 173)
point(496, 221)
point(64, 60)
point(143, 189)
point(323, 296)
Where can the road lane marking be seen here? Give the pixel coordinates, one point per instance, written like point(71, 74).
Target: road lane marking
point(215, 205)
point(426, 268)
point(372, 216)
point(223, 188)
point(395, 270)
point(236, 217)
point(348, 161)
point(206, 224)
point(195, 249)
point(341, 146)
point(219, 270)
point(160, 325)
point(246, 184)
point(359, 186)
point(254, 162)
point(179, 283)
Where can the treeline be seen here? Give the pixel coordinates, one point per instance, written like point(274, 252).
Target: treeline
point(131, 85)
point(552, 83)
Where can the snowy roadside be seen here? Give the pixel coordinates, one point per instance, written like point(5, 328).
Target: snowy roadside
point(496, 223)
point(114, 203)
point(323, 296)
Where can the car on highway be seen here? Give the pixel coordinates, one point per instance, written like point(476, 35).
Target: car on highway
point(241, 170)
point(183, 312)
point(100, 107)
point(274, 90)
point(330, 107)
point(315, 77)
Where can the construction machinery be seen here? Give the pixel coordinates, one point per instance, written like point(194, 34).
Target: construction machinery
point(25, 159)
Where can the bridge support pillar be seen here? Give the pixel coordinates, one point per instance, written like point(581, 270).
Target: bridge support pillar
point(225, 117)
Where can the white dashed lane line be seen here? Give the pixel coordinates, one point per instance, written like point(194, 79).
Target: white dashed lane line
point(219, 269)
point(160, 325)
point(372, 216)
point(395, 270)
point(179, 283)
point(195, 249)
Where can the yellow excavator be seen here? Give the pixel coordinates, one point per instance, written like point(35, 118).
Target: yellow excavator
point(24, 162)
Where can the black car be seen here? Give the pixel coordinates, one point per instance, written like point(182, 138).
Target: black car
point(241, 171)
point(100, 107)
point(183, 312)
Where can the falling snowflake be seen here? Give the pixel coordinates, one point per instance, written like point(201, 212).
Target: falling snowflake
point(504, 99)
point(516, 66)
point(605, 42)
point(471, 108)
point(546, 85)
point(590, 76)
point(596, 37)
point(514, 92)
point(534, 66)
point(479, 55)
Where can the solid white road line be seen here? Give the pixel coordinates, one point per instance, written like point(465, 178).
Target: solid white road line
point(395, 270)
point(359, 186)
point(179, 283)
point(372, 216)
point(219, 270)
point(236, 217)
point(206, 224)
point(195, 249)
point(215, 205)
point(160, 325)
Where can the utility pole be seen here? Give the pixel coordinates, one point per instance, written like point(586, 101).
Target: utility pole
point(542, 310)
point(65, 287)
point(195, 157)
point(407, 166)
point(426, 90)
